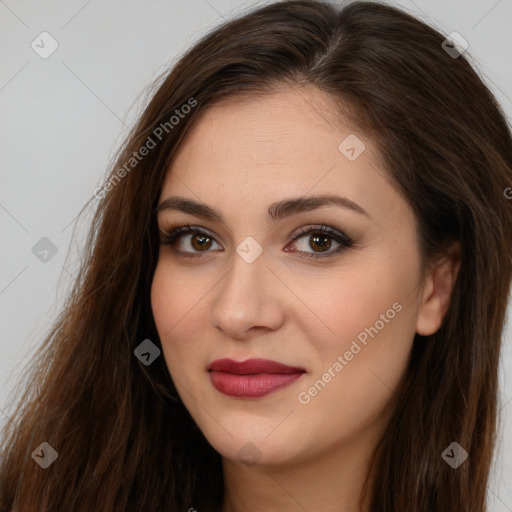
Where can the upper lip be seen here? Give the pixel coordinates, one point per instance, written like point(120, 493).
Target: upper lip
point(252, 366)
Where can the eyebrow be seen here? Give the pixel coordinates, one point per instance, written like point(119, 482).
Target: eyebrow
point(276, 211)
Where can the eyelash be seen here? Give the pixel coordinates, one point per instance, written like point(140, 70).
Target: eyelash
point(175, 232)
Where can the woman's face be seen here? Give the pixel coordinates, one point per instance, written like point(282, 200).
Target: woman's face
point(248, 285)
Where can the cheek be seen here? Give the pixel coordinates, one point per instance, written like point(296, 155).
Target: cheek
point(371, 314)
point(380, 314)
point(170, 302)
point(162, 301)
point(173, 297)
point(179, 308)
point(352, 387)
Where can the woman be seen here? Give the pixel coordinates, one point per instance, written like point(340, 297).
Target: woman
point(295, 284)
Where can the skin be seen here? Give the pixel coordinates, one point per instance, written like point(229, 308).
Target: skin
point(241, 156)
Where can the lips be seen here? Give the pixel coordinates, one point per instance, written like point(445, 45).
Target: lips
point(251, 366)
point(252, 378)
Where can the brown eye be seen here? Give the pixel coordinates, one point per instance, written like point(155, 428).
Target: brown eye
point(322, 242)
point(311, 241)
point(187, 241)
point(319, 240)
point(200, 242)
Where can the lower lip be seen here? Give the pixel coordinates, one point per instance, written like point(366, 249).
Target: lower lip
point(251, 386)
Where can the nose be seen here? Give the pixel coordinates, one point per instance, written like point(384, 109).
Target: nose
point(249, 299)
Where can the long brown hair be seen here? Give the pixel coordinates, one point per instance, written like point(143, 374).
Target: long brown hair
point(124, 439)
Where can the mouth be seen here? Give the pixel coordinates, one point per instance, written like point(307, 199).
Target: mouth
point(252, 378)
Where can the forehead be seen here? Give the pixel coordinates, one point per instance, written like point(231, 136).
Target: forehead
point(270, 146)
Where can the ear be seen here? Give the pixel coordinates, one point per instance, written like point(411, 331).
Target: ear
point(437, 290)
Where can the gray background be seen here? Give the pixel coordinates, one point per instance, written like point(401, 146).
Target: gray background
point(64, 117)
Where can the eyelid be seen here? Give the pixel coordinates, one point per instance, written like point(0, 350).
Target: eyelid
point(321, 228)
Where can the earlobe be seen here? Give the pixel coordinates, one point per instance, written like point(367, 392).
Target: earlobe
point(437, 291)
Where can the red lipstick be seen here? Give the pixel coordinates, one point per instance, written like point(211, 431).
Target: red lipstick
point(252, 378)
